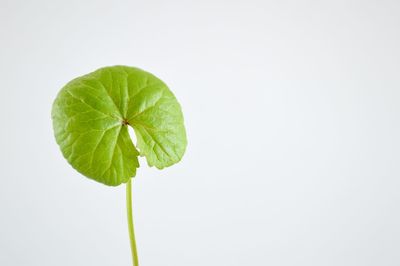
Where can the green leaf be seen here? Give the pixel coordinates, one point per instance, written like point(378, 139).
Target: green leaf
point(91, 115)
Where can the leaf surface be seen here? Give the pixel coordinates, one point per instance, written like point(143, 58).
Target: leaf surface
point(91, 115)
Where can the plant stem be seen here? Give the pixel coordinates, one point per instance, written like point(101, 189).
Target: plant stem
point(135, 259)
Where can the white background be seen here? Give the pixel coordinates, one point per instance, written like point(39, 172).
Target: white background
point(292, 111)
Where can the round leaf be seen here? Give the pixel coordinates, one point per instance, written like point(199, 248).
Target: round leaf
point(91, 115)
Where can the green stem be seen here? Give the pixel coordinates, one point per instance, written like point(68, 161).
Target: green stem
point(135, 259)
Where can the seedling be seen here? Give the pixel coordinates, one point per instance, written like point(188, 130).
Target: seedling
point(91, 115)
